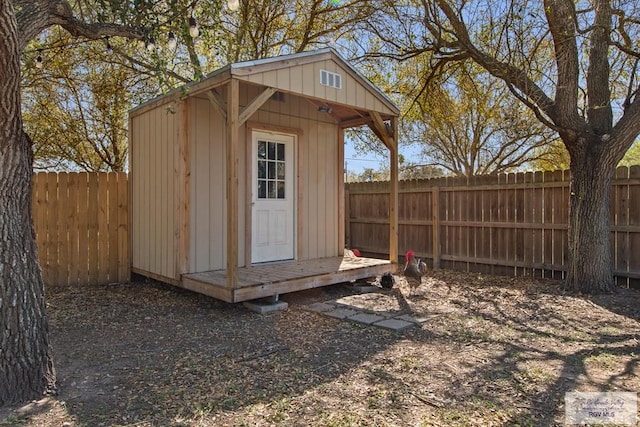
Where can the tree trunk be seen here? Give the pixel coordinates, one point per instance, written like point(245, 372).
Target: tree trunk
point(590, 268)
point(26, 366)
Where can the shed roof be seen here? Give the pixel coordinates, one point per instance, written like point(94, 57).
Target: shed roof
point(299, 74)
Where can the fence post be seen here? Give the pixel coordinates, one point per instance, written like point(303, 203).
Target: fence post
point(435, 211)
point(347, 217)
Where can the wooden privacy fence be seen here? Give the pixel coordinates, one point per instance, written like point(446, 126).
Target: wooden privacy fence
point(81, 223)
point(512, 224)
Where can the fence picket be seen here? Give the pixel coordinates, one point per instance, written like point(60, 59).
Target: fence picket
point(63, 229)
point(92, 227)
point(81, 227)
point(634, 220)
point(124, 240)
point(53, 241)
point(103, 226)
point(514, 224)
point(73, 223)
point(112, 228)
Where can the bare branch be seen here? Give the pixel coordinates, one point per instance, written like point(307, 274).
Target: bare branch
point(149, 67)
point(510, 74)
point(34, 17)
point(626, 49)
point(631, 92)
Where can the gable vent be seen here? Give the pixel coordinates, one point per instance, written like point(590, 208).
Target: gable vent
point(327, 78)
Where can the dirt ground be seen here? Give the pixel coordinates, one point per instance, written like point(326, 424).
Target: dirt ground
point(495, 351)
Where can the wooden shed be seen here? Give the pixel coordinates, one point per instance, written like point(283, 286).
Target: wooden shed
point(236, 181)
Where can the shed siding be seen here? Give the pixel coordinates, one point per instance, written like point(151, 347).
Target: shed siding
point(153, 136)
point(305, 79)
point(317, 154)
point(178, 166)
point(208, 201)
point(208, 223)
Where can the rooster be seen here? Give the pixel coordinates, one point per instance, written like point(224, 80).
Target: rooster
point(414, 270)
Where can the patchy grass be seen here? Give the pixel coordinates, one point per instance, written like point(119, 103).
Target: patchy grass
point(603, 361)
point(495, 351)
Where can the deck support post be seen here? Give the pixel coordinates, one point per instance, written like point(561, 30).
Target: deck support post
point(393, 195)
point(233, 95)
point(388, 133)
point(182, 175)
point(341, 193)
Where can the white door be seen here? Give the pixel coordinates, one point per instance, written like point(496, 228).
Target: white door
point(273, 219)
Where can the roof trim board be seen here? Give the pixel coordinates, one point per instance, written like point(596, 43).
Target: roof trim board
point(244, 69)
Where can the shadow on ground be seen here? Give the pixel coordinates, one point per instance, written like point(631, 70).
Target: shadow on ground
point(159, 355)
point(495, 350)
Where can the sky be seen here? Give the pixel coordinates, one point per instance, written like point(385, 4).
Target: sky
point(357, 162)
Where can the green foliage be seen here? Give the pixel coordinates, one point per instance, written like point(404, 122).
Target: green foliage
point(556, 157)
point(468, 123)
point(406, 171)
point(369, 175)
point(465, 120)
point(515, 41)
point(75, 108)
point(632, 157)
point(416, 171)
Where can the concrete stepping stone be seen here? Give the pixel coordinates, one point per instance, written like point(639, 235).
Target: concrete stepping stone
point(394, 324)
point(366, 318)
point(340, 313)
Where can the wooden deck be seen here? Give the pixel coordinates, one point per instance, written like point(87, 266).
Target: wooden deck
point(264, 280)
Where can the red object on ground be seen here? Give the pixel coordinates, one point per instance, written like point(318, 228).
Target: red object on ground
point(356, 252)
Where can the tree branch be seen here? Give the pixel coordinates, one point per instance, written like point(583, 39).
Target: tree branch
point(507, 72)
point(599, 113)
point(36, 16)
point(561, 16)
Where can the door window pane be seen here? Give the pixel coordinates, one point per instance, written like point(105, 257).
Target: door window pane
point(271, 170)
point(262, 150)
point(271, 155)
point(272, 190)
